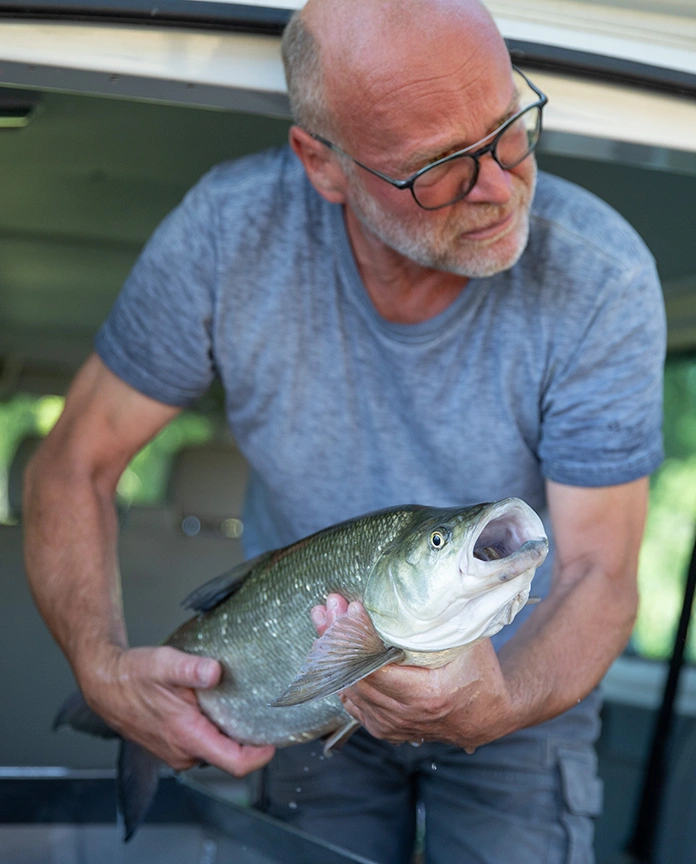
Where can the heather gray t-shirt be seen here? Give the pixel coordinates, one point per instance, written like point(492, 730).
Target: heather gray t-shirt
point(551, 369)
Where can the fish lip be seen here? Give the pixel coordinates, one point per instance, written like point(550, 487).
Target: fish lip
point(522, 532)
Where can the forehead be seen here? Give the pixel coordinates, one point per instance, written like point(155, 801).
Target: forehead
point(425, 95)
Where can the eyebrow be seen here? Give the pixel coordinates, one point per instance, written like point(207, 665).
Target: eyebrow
point(425, 157)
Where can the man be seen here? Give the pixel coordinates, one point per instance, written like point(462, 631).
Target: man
point(446, 342)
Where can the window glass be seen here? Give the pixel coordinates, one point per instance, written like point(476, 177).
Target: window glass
point(145, 479)
point(670, 531)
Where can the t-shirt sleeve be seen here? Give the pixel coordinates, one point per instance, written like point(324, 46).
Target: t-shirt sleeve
point(157, 337)
point(602, 405)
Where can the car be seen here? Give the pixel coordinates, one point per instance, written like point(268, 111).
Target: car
point(111, 110)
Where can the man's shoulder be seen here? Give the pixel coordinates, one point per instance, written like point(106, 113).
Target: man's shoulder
point(254, 177)
point(263, 197)
point(565, 217)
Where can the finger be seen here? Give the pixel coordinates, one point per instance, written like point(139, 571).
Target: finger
point(394, 685)
point(178, 669)
point(318, 616)
point(237, 759)
point(336, 606)
point(352, 708)
point(382, 726)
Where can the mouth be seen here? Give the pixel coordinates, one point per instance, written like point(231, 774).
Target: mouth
point(492, 230)
point(510, 541)
point(506, 533)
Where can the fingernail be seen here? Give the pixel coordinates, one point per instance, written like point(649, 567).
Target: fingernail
point(206, 672)
point(332, 603)
point(318, 616)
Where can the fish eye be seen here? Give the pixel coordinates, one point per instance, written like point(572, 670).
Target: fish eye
point(438, 538)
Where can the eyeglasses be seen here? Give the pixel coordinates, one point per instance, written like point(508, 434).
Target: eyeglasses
point(451, 178)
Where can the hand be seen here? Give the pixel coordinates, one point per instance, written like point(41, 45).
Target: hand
point(465, 703)
point(147, 695)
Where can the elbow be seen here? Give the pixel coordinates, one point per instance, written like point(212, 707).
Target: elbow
point(57, 473)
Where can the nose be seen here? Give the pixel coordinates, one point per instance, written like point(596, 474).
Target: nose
point(493, 184)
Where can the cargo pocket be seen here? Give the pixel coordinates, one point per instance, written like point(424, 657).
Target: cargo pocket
point(582, 792)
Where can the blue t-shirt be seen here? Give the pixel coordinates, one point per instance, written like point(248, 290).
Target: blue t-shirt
point(552, 369)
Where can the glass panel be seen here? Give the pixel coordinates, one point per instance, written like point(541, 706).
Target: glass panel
point(671, 526)
point(445, 182)
point(518, 139)
point(143, 482)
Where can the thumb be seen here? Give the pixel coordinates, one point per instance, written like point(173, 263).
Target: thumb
point(184, 670)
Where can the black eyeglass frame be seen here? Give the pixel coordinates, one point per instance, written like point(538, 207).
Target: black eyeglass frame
point(469, 151)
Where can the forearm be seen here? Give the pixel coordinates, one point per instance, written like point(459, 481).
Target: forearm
point(71, 538)
point(563, 650)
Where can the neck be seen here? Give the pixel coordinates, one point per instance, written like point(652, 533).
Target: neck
point(401, 290)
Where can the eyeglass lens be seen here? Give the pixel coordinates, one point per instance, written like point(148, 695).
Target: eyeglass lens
point(443, 184)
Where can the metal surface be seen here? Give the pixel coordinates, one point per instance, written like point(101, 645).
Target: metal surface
point(245, 18)
point(69, 816)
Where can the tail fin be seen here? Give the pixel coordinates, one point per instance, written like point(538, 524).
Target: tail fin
point(79, 716)
point(138, 770)
point(138, 778)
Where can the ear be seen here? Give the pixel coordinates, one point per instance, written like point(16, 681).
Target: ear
point(321, 165)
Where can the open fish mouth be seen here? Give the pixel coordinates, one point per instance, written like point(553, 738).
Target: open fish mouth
point(505, 534)
point(509, 541)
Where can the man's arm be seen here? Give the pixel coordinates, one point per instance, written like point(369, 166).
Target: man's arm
point(555, 659)
point(71, 537)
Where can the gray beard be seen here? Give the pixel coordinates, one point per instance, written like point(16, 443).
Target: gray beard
point(477, 263)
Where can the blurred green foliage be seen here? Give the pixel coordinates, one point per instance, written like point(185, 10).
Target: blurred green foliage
point(671, 526)
point(145, 479)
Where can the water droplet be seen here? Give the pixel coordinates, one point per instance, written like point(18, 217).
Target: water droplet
point(200, 636)
point(298, 789)
point(433, 767)
point(321, 758)
point(293, 805)
point(313, 753)
point(306, 768)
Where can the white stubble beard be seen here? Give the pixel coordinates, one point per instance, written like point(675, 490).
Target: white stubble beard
point(441, 248)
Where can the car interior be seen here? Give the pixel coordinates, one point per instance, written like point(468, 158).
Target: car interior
point(86, 178)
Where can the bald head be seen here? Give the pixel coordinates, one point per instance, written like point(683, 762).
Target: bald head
point(348, 60)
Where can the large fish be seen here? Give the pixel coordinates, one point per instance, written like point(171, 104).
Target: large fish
point(430, 582)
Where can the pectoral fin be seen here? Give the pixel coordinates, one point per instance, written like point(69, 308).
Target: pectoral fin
point(348, 651)
point(338, 738)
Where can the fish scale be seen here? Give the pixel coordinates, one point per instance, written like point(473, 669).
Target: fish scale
point(261, 655)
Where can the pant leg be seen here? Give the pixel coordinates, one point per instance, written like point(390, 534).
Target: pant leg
point(528, 799)
point(362, 798)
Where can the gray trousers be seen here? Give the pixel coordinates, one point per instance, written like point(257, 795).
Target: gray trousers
point(528, 798)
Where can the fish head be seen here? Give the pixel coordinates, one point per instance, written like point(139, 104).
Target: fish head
point(455, 575)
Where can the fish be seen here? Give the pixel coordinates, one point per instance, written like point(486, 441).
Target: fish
point(423, 583)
